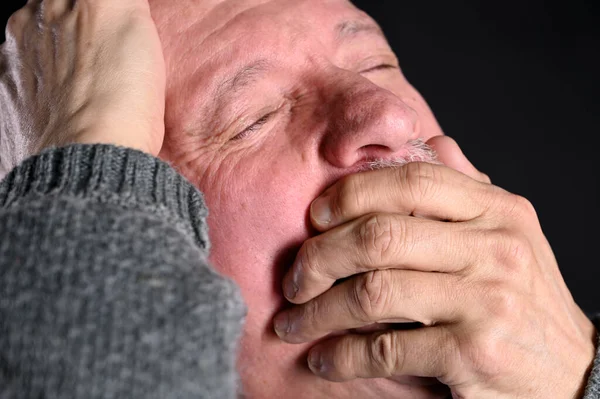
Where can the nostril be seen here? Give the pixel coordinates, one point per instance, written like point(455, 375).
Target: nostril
point(375, 147)
point(374, 151)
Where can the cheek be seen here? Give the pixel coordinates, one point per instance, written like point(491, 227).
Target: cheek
point(258, 223)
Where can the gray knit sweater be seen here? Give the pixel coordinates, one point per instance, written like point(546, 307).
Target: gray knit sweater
point(105, 291)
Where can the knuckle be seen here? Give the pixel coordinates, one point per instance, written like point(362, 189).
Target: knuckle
point(419, 178)
point(44, 11)
point(509, 250)
point(496, 246)
point(384, 355)
point(377, 236)
point(485, 178)
point(309, 258)
point(519, 208)
point(47, 12)
point(371, 293)
point(349, 196)
point(17, 21)
point(484, 352)
point(519, 254)
point(344, 360)
point(494, 199)
point(525, 210)
point(501, 302)
point(311, 312)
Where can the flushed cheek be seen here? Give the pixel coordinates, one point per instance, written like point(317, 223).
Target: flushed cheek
point(258, 221)
point(256, 229)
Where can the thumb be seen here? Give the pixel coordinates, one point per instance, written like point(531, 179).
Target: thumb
point(450, 154)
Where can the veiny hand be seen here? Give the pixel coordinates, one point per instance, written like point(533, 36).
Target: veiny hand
point(468, 260)
point(88, 71)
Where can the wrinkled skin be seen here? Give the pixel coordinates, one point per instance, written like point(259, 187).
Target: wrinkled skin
point(59, 83)
point(332, 111)
point(322, 97)
point(334, 98)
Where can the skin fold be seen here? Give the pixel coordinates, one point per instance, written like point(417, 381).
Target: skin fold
point(277, 110)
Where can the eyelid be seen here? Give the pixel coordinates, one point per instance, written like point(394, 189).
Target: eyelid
point(254, 126)
point(379, 67)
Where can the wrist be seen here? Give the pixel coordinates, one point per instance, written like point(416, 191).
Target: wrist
point(89, 129)
point(103, 137)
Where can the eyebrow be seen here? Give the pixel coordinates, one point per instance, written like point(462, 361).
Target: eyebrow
point(250, 73)
point(243, 77)
point(352, 28)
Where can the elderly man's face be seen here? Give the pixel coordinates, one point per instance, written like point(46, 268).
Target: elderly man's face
point(268, 103)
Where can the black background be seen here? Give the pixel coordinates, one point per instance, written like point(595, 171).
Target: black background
point(516, 84)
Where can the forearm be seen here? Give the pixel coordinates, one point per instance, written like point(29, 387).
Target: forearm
point(106, 291)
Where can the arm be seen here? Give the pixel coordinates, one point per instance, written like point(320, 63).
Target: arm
point(106, 291)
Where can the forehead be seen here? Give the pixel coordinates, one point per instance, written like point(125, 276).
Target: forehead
point(206, 40)
point(192, 30)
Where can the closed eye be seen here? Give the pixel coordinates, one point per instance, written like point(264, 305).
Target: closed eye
point(253, 127)
point(379, 68)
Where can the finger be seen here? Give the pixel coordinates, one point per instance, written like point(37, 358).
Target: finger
point(52, 10)
point(386, 296)
point(449, 153)
point(15, 26)
point(423, 189)
point(378, 242)
point(425, 352)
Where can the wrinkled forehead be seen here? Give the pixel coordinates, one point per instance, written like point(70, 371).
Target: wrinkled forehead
point(190, 27)
point(207, 41)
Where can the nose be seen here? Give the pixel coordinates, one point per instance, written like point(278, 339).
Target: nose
point(366, 122)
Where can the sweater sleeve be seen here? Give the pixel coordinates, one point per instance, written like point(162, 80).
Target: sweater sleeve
point(105, 289)
point(593, 386)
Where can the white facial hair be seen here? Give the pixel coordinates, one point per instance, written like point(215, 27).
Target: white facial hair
point(418, 151)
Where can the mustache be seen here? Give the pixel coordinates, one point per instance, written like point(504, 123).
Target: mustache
point(418, 151)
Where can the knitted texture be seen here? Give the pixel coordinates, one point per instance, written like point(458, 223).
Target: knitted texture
point(593, 386)
point(105, 290)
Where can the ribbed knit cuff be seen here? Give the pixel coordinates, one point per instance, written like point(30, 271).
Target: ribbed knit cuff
point(593, 386)
point(111, 174)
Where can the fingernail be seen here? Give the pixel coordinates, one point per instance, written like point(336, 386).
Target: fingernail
point(315, 362)
point(320, 210)
point(292, 286)
point(290, 289)
point(281, 324)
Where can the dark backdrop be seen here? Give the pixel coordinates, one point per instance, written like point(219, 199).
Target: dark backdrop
point(516, 85)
